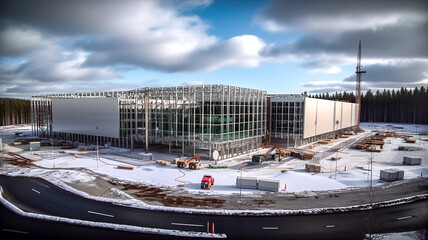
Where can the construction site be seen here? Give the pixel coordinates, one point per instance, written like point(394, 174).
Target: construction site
point(153, 132)
point(216, 122)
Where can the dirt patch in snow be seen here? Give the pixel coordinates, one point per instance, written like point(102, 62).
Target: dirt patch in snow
point(151, 193)
point(17, 160)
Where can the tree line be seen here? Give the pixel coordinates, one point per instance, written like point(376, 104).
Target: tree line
point(394, 106)
point(14, 111)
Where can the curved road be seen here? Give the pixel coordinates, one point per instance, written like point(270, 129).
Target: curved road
point(39, 196)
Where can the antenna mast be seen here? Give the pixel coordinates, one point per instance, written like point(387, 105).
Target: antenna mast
point(359, 71)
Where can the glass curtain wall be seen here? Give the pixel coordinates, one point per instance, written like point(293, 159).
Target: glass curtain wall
point(286, 119)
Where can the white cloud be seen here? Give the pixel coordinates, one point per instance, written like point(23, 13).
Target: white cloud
point(193, 83)
point(330, 70)
point(86, 41)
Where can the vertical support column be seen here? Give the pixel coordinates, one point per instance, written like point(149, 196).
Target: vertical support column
point(162, 116)
point(146, 116)
point(176, 115)
point(228, 121)
point(183, 113)
point(210, 128)
point(194, 120)
point(202, 113)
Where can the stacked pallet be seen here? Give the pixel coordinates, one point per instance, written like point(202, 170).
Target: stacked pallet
point(369, 142)
point(390, 134)
point(126, 167)
point(360, 146)
point(372, 148)
point(328, 141)
point(313, 167)
point(162, 162)
point(303, 155)
point(286, 152)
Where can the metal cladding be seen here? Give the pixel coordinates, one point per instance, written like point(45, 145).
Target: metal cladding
point(296, 119)
point(324, 116)
point(91, 116)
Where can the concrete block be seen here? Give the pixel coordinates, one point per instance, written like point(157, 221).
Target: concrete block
point(391, 175)
point(412, 160)
point(268, 185)
point(246, 182)
point(34, 146)
point(313, 167)
point(400, 173)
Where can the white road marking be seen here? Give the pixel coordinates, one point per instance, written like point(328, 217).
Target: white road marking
point(404, 218)
point(101, 214)
point(44, 185)
point(187, 224)
point(35, 190)
point(14, 231)
point(270, 228)
point(330, 226)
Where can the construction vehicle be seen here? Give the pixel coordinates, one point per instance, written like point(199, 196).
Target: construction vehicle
point(270, 156)
point(207, 182)
point(266, 156)
point(194, 163)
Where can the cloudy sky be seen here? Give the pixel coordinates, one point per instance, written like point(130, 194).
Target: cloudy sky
point(281, 46)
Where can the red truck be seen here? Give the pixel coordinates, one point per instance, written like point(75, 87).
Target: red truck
point(207, 182)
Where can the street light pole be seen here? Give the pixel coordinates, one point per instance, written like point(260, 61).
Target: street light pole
point(240, 189)
point(97, 147)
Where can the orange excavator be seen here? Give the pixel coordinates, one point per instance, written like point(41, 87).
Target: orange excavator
point(194, 163)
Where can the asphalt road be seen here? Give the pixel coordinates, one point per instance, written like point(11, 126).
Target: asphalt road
point(39, 196)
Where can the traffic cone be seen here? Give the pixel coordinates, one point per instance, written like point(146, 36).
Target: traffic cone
point(285, 186)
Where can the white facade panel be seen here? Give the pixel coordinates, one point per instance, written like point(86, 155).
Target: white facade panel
point(347, 115)
point(310, 117)
point(84, 115)
point(323, 116)
point(338, 115)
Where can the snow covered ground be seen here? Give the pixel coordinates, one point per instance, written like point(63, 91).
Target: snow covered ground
point(352, 168)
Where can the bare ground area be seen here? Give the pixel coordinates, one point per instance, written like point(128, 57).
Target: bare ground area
point(289, 201)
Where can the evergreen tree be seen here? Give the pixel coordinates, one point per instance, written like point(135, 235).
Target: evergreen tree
point(396, 106)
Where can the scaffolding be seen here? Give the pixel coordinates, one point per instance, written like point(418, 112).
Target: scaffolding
point(197, 119)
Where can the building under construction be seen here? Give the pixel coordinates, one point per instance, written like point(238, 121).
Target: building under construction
point(294, 120)
point(190, 120)
point(187, 119)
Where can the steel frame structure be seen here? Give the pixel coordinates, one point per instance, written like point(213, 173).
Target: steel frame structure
point(286, 125)
point(199, 119)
